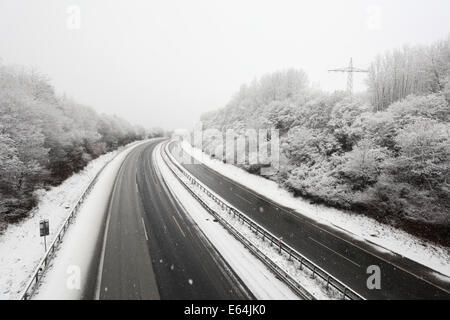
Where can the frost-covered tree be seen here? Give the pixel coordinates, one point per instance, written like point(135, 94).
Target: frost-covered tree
point(45, 138)
point(410, 70)
point(385, 154)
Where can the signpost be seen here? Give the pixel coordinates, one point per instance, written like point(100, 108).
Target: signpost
point(44, 228)
point(280, 240)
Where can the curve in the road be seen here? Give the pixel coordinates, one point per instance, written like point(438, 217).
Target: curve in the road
point(343, 257)
point(151, 249)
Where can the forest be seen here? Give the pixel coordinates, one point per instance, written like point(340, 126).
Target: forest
point(45, 138)
point(384, 153)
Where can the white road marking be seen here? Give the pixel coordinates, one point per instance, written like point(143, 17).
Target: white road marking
point(145, 230)
point(181, 230)
point(102, 255)
point(299, 215)
point(246, 200)
point(320, 243)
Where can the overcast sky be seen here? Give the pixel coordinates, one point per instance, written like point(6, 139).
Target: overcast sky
point(163, 63)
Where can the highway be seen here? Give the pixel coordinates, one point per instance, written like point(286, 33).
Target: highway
point(151, 250)
point(338, 253)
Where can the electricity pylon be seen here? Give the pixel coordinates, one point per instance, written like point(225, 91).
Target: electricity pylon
point(349, 70)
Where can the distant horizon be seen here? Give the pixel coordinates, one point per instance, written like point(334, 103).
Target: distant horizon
point(147, 62)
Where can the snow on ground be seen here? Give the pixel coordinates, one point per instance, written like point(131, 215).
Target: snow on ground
point(21, 247)
point(261, 282)
point(382, 237)
point(69, 272)
point(314, 286)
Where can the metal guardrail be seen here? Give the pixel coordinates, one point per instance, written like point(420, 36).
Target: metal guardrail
point(43, 264)
point(343, 289)
point(287, 278)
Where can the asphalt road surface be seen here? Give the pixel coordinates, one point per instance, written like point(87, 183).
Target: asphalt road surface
point(151, 249)
point(341, 255)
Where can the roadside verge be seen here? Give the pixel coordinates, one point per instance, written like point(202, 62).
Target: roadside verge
point(67, 274)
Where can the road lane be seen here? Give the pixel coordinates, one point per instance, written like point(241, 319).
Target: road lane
point(152, 250)
point(126, 271)
point(342, 256)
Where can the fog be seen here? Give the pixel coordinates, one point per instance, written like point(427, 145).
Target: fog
point(163, 63)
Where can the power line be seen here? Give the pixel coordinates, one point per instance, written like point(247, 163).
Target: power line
point(349, 70)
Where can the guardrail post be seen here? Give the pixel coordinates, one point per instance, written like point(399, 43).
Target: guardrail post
point(343, 296)
point(314, 273)
point(301, 264)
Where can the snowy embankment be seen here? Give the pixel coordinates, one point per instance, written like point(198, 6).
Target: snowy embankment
point(260, 280)
point(21, 247)
point(69, 276)
point(381, 237)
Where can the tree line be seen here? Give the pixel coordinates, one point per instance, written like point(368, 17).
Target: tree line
point(384, 153)
point(45, 138)
point(409, 70)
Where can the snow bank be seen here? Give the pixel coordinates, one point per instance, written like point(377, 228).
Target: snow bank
point(21, 247)
point(260, 280)
point(381, 237)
